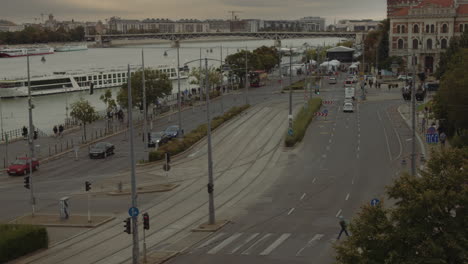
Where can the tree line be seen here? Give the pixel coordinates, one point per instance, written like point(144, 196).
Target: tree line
point(33, 35)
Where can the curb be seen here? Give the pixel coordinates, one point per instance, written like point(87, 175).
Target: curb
point(127, 192)
point(86, 225)
point(421, 144)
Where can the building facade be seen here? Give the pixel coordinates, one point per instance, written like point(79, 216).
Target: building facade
point(313, 23)
point(421, 32)
point(393, 5)
point(7, 26)
point(363, 25)
point(131, 26)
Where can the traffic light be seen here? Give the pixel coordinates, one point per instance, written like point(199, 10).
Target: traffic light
point(128, 227)
point(35, 134)
point(146, 221)
point(168, 157)
point(87, 186)
point(26, 182)
point(91, 88)
point(210, 187)
point(317, 91)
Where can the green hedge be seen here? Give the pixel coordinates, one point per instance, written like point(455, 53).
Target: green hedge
point(177, 146)
point(19, 240)
point(299, 85)
point(302, 120)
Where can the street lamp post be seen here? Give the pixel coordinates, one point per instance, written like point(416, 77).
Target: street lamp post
point(246, 77)
point(31, 140)
point(179, 95)
point(413, 108)
point(290, 88)
point(145, 118)
point(221, 78)
point(210, 159)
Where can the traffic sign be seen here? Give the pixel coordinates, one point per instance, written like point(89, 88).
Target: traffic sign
point(290, 132)
point(432, 138)
point(374, 202)
point(325, 111)
point(133, 211)
point(431, 130)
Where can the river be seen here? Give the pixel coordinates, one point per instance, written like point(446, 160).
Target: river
point(51, 109)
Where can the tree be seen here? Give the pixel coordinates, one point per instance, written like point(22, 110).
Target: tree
point(85, 112)
point(214, 76)
point(266, 58)
point(157, 85)
point(456, 43)
point(107, 99)
point(427, 223)
point(450, 102)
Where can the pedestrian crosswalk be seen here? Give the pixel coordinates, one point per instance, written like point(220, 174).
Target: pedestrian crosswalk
point(262, 244)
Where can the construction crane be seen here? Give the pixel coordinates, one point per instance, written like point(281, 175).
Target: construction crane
point(233, 14)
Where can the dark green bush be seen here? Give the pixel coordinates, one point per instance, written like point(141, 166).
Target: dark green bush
point(302, 120)
point(19, 240)
point(177, 146)
point(299, 85)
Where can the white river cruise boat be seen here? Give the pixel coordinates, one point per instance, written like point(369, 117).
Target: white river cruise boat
point(62, 82)
point(20, 52)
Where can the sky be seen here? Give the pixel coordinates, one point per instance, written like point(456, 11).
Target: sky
point(29, 11)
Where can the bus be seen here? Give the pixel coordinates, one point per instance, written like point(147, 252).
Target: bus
point(258, 78)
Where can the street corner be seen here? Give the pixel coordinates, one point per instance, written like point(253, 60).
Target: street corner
point(211, 227)
point(57, 221)
point(147, 189)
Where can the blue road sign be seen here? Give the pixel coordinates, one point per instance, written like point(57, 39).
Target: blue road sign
point(431, 130)
point(290, 132)
point(374, 202)
point(133, 211)
point(325, 111)
point(432, 138)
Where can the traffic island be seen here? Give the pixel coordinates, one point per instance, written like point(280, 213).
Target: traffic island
point(211, 228)
point(147, 189)
point(56, 221)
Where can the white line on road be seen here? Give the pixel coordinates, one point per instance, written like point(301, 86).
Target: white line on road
point(339, 212)
point(359, 135)
point(211, 240)
point(303, 196)
point(332, 134)
point(409, 139)
point(315, 238)
point(352, 181)
point(386, 138)
point(250, 249)
point(333, 129)
point(358, 148)
point(226, 242)
point(275, 244)
point(250, 238)
point(347, 197)
point(313, 181)
point(357, 155)
point(328, 148)
point(329, 141)
point(324, 156)
point(290, 211)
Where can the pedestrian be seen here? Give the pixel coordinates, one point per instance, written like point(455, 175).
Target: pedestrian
point(55, 131)
point(61, 130)
point(343, 226)
point(442, 138)
point(25, 131)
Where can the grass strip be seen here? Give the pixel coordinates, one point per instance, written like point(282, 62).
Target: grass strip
point(302, 120)
point(174, 147)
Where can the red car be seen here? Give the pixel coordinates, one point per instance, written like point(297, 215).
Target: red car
point(21, 166)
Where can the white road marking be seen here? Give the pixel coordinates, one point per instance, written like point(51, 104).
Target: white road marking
point(275, 244)
point(290, 211)
point(339, 212)
point(313, 181)
point(193, 154)
point(324, 156)
point(347, 197)
point(409, 139)
point(357, 155)
point(398, 137)
point(352, 181)
point(328, 148)
point(249, 250)
point(302, 197)
point(386, 138)
point(250, 238)
point(332, 134)
point(223, 244)
point(315, 238)
point(334, 129)
point(358, 148)
point(359, 135)
point(329, 141)
point(211, 240)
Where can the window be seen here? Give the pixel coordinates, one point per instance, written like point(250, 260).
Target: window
point(400, 44)
point(427, 28)
point(402, 29)
point(415, 29)
point(444, 28)
point(429, 44)
point(432, 28)
point(415, 43)
point(444, 43)
point(461, 27)
point(398, 29)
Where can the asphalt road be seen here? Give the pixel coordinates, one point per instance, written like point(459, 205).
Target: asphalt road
point(344, 162)
point(66, 176)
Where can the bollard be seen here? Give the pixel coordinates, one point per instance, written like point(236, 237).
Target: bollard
point(100, 131)
point(55, 148)
point(72, 142)
point(4, 162)
point(67, 144)
point(96, 135)
point(119, 186)
point(49, 150)
point(61, 148)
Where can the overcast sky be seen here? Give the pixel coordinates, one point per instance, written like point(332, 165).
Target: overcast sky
point(20, 11)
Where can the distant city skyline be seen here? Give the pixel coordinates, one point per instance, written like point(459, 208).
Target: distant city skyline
point(29, 11)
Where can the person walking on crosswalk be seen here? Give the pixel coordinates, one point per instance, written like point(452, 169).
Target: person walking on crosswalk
point(343, 226)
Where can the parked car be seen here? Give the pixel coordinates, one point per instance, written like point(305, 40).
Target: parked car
point(21, 166)
point(404, 77)
point(348, 82)
point(332, 80)
point(159, 138)
point(432, 87)
point(348, 107)
point(173, 131)
point(101, 150)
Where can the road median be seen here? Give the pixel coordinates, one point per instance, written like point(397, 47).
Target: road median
point(301, 122)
